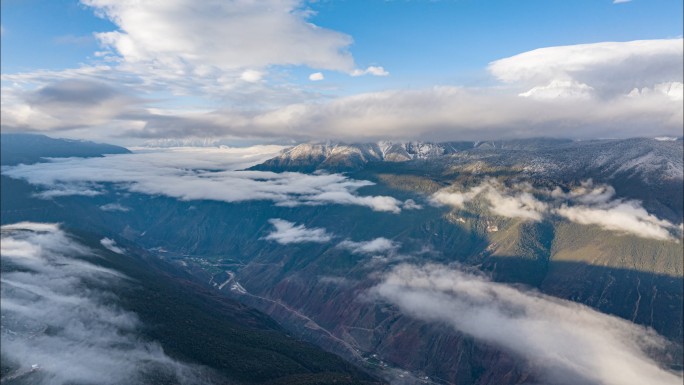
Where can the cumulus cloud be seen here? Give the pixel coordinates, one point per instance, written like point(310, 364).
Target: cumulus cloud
point(586, 204)
point(61, 325)
point(184, 38)
point(196, 174)
point(566, 342)
point(374, 246)
point(110, 245)
point(288, 232)
point(316, 76)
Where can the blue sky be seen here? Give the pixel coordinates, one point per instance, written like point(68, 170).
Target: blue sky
point(418, 44)
point(456, 39)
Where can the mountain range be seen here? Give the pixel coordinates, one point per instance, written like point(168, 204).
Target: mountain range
point(544, 226)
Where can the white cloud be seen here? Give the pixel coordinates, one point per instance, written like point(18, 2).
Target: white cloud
point(410, 204)
point(110, 245)
point(457, 199)
point(374, 246)
point(196, 174)
point(371, 70)
point(621, 1)
point(606, 69)
point(377, 203)
point(587, 192)
point(626, 217)
point(501, 200)
point(587, 204)
point(316, 76)
point(287, 232)
point(114, 207)
point(62, 190)
point(72, 334)
point(560, 89)
point(591, 204)
point(521, 205)
point(184, 37)
point(665, 138)
point(252, 76)
point(673, 90)
point(566, 342)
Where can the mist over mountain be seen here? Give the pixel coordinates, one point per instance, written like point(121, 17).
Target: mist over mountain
point(414, 262)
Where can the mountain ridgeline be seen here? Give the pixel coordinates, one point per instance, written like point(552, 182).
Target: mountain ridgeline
point(28, 148)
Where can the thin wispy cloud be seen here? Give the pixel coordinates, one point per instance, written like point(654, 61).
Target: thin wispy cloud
point(288, 232)
point(114, 207)
point(374, 246)
point(372, 70)
point(565, 342)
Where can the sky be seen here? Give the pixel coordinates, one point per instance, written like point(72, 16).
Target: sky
point(282, 71)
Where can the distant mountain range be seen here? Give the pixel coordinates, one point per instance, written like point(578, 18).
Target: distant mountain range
point(533, 155)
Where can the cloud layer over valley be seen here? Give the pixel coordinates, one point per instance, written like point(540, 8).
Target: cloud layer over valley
point(587, 204)
point(61, 324)
point(565, 342)
point(196, 174)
